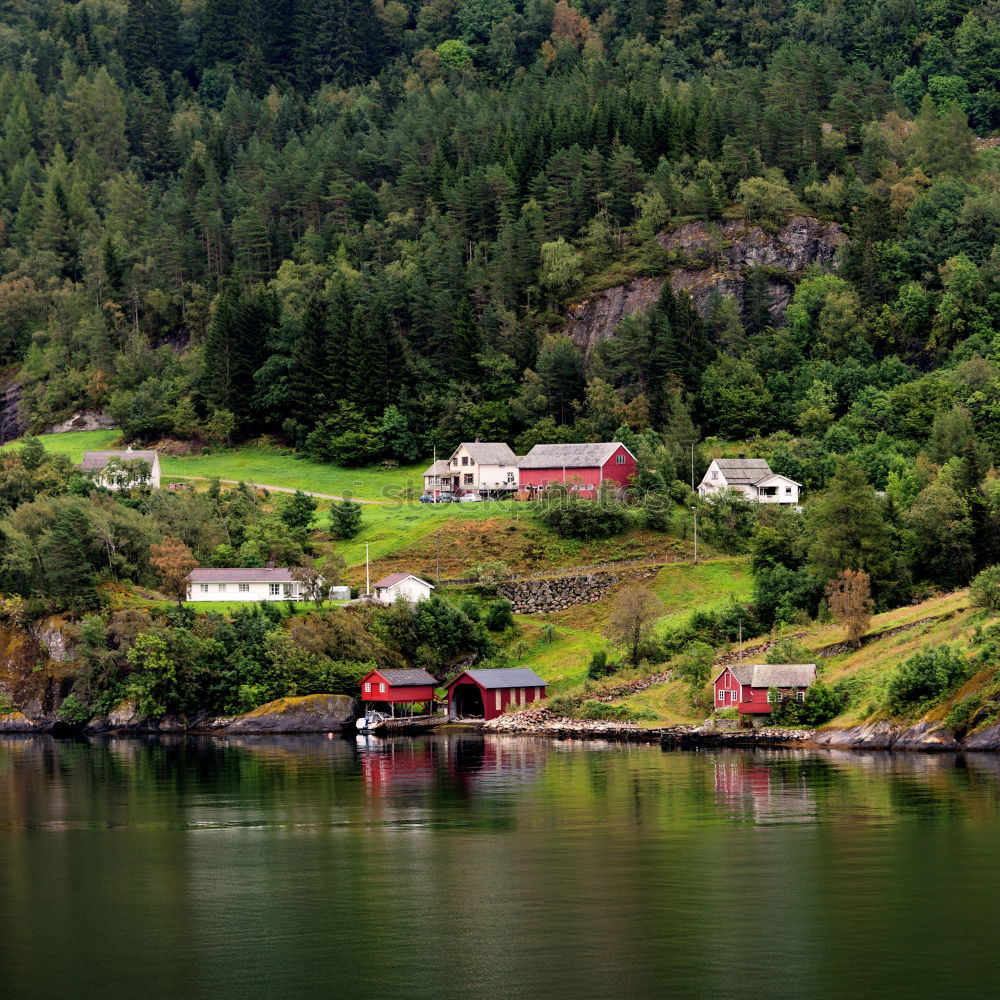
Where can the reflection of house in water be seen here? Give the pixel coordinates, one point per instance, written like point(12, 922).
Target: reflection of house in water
point(467, 762)
point(771, 788)
point(395, 766)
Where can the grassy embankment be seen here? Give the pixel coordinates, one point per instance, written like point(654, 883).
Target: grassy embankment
point(892, 638)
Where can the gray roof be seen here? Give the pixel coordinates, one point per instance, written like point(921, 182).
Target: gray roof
point(277, 574)
point(94, 461)
point(393, 578)
point(438, 468)
point(576, 456)
point(769, 675)
point(743, 471)
point(489, 452)
point(408, 678)
point(505, 677)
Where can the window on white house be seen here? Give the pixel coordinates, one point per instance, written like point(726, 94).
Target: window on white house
point(472, 461)
point(465, 460)
point(244, 588)
point(788, 489)
point(510, 477)
point(273, 589)
point(620, 460)
point(715, 475)
point(454, 461)
point(222, 588)
point(468, 479)
point(204, 588)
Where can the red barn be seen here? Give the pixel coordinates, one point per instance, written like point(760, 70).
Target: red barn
point(398, 686)
point(747, 685)
point(484, 694)
point(581, 467)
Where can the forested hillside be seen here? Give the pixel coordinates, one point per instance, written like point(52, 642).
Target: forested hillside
point(356, 226)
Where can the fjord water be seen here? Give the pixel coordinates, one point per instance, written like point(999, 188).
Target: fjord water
point(465, 866)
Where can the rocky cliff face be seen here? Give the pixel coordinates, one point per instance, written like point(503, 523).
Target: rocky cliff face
point(12, 423)
point(711, 257)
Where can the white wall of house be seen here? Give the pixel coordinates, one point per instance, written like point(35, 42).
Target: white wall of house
point(473, 477)
point(275, 591)
point(411, 588)
point(778, 489)
point(154, 476)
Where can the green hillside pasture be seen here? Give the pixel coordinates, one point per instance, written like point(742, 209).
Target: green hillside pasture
point(579, 631)
point(257, 464)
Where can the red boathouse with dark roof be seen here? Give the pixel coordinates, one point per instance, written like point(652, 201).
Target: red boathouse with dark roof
point(484, 694)
point(395, 686)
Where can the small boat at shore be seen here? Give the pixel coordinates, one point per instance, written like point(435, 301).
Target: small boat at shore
point(370, 721)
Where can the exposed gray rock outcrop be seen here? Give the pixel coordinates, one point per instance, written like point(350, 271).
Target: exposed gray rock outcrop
point(711, 257)
point(314, 713)
point(88, 420)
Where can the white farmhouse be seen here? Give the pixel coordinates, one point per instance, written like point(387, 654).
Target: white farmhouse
point(119, 470)
point(752, 477)
point(405, 585)
point(481, 467)
point(269, 583)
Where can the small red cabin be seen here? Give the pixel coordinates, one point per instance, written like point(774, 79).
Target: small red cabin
point(747, 686)
point(484, 694)
point(395, 686)
point(581, 468)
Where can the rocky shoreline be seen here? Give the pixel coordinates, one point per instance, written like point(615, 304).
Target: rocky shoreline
point(315, 713)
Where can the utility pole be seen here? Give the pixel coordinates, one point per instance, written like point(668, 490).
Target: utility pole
point(694, 510)
point(437, 542)
point(692, 466)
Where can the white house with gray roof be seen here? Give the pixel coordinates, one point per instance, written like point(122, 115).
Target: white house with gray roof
point(752, 477)
point(478, 467)
point(119, 470)
point(266, 583)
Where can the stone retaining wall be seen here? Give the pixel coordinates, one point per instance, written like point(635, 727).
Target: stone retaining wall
point(557, 593)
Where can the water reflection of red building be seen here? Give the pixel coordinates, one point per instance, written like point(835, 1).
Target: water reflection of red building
point(392, 766)
point(469, 762)
point(766, 788)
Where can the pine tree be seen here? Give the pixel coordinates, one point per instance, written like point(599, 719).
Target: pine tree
point(307, 378)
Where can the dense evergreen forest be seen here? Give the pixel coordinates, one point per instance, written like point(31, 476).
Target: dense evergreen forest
point(355, 225)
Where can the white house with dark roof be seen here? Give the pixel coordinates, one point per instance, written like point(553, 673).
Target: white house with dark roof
point(404, 585)
point(479, 467)
point(117, 470)
point(752, 477)
point(268, 583)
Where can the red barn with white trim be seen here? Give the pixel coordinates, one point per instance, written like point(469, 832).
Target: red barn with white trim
point(580, 467)
point(484, 694)
point(396, 686)
point(747, 686)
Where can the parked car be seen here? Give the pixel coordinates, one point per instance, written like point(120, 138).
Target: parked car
point(447, 498)
point(471, 498)
point(427, 498)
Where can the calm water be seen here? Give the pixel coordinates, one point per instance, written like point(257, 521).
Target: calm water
point(463, 867)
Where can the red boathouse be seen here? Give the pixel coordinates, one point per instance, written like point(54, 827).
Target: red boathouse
point(747, 686)
point(396, 687)
point(484, 694)
point(580, 467)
